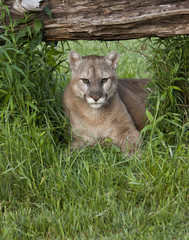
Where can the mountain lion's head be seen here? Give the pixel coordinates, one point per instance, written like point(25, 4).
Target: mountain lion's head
point(93, 78)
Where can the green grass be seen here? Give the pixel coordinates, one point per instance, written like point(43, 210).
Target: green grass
point(47, 192)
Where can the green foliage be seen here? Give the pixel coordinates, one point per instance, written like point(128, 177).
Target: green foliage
point(169, 89)
point(171, 79)
point(30, 78)
point(48, 192)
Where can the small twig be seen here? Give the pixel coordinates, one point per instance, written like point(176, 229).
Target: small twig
point(135, 51)
point(183, 105)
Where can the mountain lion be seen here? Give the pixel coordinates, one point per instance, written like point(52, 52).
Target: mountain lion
point(100, 106)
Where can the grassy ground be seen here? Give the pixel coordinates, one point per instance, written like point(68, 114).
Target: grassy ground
point(46, 192)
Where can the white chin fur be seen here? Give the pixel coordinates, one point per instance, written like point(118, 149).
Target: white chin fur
point(92, 101)
point(95, 105)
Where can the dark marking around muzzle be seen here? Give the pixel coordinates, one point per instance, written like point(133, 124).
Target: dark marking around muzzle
point(95, 95)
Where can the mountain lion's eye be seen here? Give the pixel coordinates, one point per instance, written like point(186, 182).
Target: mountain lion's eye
point(103, 80)
point(85, 80)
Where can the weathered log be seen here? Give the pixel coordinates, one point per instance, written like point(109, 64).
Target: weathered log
point(112, 20)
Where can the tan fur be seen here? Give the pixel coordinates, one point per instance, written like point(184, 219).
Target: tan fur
point(99, 106)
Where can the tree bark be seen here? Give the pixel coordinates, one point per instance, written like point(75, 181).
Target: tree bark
point(112, 20)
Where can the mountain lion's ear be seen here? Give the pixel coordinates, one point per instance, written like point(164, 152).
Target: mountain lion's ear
point(111, 59)
point(75, 59)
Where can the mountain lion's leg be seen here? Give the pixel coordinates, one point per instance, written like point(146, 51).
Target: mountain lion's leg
point(81, 141)
point(128, 140)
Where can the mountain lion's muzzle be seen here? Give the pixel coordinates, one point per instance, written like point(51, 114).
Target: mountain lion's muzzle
point(96, 95)
point(96, 99)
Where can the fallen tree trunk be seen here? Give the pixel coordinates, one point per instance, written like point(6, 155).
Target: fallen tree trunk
point(110, 19)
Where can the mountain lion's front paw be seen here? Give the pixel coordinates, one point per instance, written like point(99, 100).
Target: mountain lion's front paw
point(77, 145)
point(130, 145)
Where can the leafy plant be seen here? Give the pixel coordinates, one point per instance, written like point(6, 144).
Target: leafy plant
point(169, 88)
point(30, 75)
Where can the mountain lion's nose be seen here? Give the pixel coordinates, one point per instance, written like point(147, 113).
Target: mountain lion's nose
point(95, 96)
